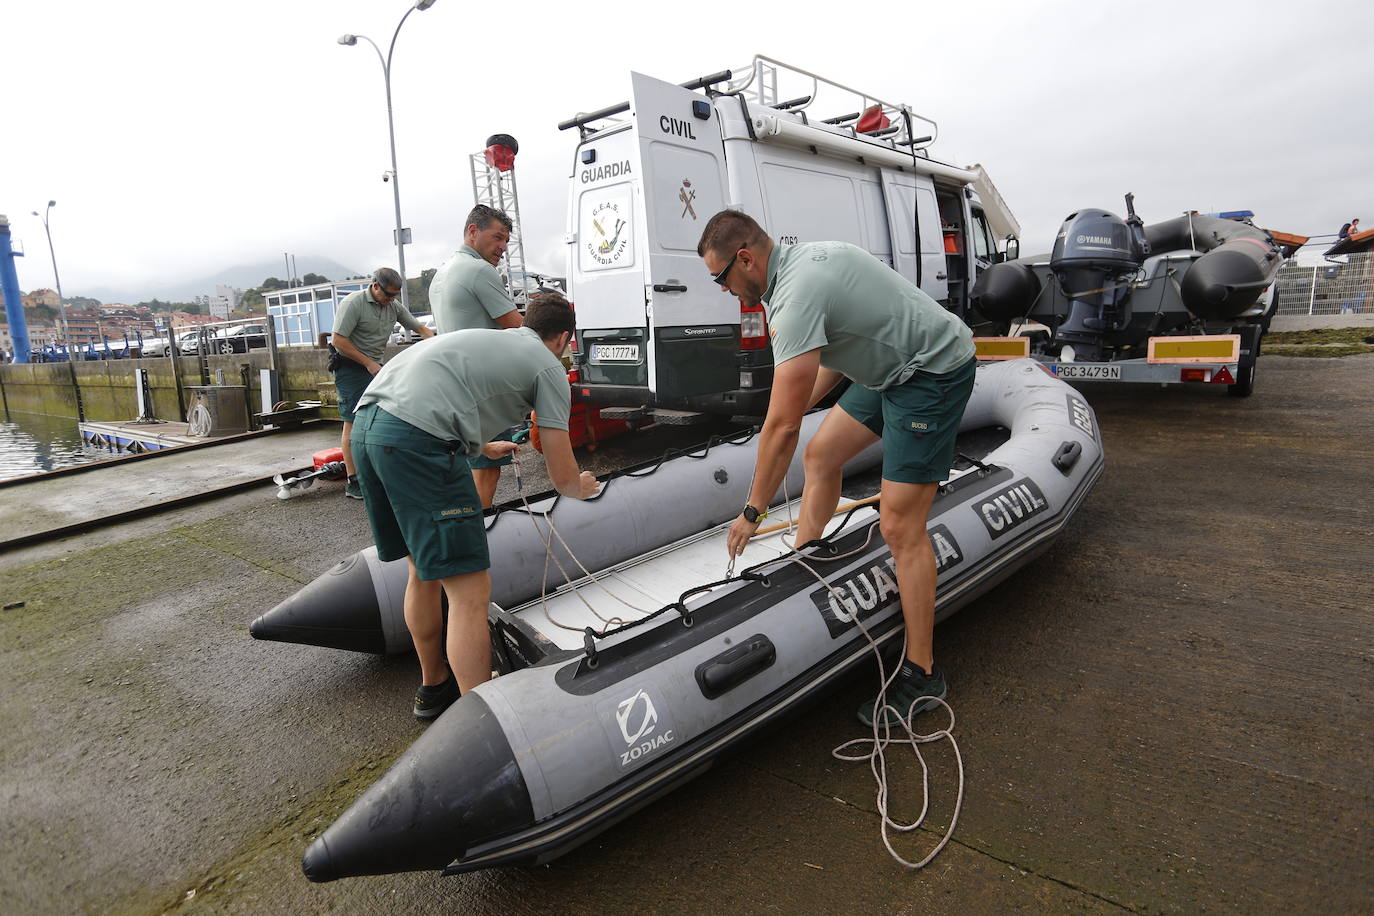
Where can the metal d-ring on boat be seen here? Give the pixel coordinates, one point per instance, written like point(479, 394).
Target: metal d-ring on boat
point(587, 728)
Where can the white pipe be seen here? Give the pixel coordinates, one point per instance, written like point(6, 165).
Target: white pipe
point(786, 131)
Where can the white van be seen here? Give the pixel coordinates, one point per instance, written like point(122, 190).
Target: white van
point(653, 330)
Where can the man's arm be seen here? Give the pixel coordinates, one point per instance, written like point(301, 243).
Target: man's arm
point(826, 379)
point(793, 384)
point(511, 319)
point(346, 347)
point(558, 457)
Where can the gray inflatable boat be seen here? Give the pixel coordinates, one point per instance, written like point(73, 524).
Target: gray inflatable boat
point(623, 685)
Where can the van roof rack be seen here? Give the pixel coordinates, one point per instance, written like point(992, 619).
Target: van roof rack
point(762, 82)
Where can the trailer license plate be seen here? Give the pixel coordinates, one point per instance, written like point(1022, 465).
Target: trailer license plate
point(615, 353)
point(1089, 371)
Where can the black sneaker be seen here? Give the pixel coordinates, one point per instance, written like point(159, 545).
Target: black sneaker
point(910, 686)
point(431, 701)
point(353, 489)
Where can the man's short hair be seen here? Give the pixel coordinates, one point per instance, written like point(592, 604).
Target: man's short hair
point(386, 278)
point(483, 216)
point(729, 231)
point(549, 315)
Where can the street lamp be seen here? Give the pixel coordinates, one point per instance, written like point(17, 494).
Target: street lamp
point(392, 176)
point(61, 302)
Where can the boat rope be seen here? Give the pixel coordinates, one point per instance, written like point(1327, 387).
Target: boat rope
point(882, 737)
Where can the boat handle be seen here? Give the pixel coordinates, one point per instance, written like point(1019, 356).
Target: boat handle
point(669, 288)
point(1067, 456)
point(718, 676)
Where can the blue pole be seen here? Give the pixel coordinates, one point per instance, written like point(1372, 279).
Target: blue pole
point(14, 302)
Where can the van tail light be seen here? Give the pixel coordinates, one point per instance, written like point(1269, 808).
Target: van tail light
point(753, 327)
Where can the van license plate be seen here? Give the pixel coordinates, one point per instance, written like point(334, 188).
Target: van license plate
point(615, 353)
point(1089, 371)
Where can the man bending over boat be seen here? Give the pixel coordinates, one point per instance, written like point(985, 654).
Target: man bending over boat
point(431, 408)
point(834, 311)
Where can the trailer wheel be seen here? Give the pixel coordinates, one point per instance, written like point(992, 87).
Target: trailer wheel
point(1245, 374)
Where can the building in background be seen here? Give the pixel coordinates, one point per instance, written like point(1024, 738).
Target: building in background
point(303, 313)
point(225, 300)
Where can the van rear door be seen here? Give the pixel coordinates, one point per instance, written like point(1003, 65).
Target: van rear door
point(693, 324)
point(908, 199)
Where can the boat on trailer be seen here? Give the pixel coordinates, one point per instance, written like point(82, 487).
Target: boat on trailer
point(622, 685)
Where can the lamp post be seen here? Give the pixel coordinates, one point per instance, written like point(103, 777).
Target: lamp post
point(61, 302)
point(392, 176)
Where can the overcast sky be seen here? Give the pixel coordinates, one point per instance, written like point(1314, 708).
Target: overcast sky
point(183, 138)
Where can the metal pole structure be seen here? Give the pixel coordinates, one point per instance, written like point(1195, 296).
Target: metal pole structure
point(61, 302)
point(1312, 295)
point(401, 233)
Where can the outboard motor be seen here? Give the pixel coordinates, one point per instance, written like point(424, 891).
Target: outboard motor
point(1096, 254)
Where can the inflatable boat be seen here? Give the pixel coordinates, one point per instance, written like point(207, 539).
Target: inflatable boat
point(628, 682)
point(357, 604)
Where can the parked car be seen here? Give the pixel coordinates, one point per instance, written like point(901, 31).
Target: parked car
point(239, 338)
point(402, 336)
point(186, 343)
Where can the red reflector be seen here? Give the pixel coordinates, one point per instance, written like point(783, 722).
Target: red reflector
point(574, 376)
point(1224, 375)
point(586, 392)
point(1192, 375)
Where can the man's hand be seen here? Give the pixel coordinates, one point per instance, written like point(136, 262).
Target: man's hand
point(587, 485)
point(374, 368)
point(498, 450)
point(740, 532)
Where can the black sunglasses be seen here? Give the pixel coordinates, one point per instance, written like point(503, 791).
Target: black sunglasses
point(388, 293)
point(719, 278)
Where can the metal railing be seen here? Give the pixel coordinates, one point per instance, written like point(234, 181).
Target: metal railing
point(1334, 287)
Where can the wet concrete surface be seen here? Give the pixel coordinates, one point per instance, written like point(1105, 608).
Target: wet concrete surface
point(1169, 713)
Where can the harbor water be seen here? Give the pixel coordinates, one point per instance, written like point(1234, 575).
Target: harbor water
point(33, 443)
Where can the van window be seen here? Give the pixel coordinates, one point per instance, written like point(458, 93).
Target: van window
point(605, 234)
point(982, 237)
point(810, 205)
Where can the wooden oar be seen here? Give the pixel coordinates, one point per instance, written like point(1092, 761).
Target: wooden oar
point(845, 508)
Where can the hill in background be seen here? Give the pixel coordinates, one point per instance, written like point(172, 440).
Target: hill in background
point(242, 276)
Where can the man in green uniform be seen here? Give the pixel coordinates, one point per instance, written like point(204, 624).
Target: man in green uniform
point(834, 311)
point(362, 326)
point(436, 404)
point(467, 292)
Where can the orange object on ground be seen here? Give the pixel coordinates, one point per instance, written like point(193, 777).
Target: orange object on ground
point(585, 428)
point(324, 456)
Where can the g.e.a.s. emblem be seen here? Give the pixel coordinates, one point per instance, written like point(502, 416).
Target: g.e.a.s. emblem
point(611, 233)
point(873, 586)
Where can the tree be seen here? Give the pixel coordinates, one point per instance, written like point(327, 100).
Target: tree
point(83, 302)
point(311, 279)
point(273, 283)
point(252, 301)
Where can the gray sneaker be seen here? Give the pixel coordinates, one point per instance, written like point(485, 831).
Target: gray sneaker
point(352, 489)
point(910, 686)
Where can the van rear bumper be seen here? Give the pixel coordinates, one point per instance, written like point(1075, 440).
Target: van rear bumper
point(741, 401)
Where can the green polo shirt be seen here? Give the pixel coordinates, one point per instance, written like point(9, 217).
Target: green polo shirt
point(466, 292)
point(367, 323)
point(469, 386)
point(869, 322)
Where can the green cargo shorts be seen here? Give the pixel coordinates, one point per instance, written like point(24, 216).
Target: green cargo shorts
point(419, 495)
point(917, 420)
point(351, 380)
point(482, 461)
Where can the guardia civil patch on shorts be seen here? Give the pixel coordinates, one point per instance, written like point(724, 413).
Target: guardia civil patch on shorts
point(459, 512)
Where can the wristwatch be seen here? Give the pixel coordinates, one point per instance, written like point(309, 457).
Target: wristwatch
point(753, 516)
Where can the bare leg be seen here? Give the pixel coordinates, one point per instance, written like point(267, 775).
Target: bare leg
point(839, 438)
point(906, 506)
point(348, 451)
point(425, 620)
point(486, 480)
point(469, 643)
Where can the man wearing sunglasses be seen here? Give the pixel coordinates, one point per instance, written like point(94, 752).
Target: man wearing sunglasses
point(362, 326)
point(834, 311)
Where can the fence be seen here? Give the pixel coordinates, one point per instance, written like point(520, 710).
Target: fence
point(1335, 287)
